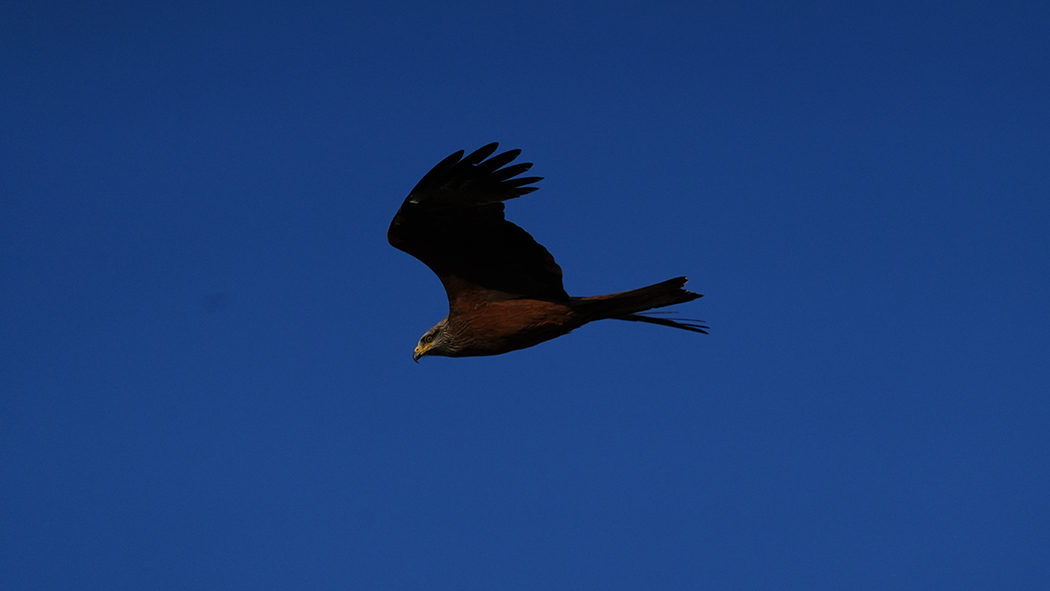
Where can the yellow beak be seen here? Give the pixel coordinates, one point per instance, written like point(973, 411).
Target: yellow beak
point(419, 352)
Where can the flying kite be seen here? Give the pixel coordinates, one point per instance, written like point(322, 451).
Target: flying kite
point(504, 289)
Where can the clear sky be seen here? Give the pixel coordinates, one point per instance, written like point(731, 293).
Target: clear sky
point(205, 341)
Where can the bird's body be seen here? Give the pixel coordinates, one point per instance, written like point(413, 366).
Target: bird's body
point(505, 290)
point(500, 326)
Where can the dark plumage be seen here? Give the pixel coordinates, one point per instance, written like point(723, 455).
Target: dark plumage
point(504, 289)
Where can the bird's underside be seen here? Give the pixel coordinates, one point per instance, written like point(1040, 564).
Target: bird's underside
point(504, 289)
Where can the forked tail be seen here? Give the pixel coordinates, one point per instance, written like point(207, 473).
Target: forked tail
point(627, 305)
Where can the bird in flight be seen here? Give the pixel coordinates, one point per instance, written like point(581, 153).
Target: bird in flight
point(504, 289)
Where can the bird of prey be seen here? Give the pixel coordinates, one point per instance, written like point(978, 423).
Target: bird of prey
point(504, 289)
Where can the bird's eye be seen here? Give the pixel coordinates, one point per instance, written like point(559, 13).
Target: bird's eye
point(428, 338)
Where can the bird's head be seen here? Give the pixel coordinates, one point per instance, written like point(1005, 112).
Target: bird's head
point(433, 342)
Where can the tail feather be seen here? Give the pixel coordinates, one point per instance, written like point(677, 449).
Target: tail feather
point(684, 323)
point(627, 305)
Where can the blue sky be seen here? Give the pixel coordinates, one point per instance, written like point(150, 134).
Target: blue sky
point(205, 366)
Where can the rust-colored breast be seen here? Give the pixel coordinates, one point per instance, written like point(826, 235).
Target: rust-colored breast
point(489, 327)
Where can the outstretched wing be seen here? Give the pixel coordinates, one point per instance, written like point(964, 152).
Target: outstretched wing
point(453, 222)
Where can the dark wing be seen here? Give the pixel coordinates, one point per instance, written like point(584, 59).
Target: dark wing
point(453, 222)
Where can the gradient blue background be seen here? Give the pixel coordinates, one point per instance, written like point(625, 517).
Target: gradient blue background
point(205, 371)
